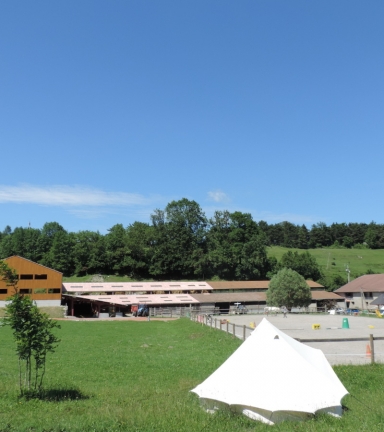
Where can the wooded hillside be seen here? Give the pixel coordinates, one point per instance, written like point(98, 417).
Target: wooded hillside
point(180, 242)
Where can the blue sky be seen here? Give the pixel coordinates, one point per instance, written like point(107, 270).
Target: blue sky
point(111, 109)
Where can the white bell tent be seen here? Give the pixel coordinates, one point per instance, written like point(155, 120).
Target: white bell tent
point(272, 377)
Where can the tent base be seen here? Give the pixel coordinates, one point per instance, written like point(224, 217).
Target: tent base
point(265, 416)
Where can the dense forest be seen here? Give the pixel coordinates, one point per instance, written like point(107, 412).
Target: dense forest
point(182, 243)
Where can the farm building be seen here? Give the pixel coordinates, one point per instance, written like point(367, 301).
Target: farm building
point(91, 299)
point(225, 294)
point(41, 283)
point(362, 291)
point(45, 286)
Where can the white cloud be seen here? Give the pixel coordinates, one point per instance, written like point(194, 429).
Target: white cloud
point(69, 196)
point(218, 196)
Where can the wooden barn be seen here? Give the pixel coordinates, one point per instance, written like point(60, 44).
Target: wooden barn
point(43, 284)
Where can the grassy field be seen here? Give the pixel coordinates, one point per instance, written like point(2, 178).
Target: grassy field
point(137, 376)
point(334, 261)
point(51, 311)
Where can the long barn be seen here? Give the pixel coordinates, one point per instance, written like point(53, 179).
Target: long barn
point(96, 299)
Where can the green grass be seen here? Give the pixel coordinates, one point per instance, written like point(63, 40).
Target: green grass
point(137, 376)
point(51, 311)
point(334, 261)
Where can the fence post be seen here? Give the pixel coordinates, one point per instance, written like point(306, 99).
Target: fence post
point(244, 332)
point(227, 325)
point(215, 323)
point(234, 330)
point(372, 348)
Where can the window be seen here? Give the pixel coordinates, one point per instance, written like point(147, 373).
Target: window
point(25, 291)
point(26, 276)
point(40, 291)
point(54, 291)
point(41, 276)
point(3, 291)
point(368, 295)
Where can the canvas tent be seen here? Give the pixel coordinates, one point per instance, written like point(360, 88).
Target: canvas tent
point(271, 377)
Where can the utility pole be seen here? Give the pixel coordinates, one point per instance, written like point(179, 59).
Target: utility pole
point(362, 299)
point(348, 271)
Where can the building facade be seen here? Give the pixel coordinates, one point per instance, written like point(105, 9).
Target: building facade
point(42, 284)
point(361, 292)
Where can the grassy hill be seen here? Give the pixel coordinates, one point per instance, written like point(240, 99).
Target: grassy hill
point(334, 261)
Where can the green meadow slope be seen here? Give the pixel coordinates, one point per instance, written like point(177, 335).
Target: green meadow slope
point(335, 261)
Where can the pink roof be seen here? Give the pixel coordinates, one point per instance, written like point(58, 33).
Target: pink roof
point(134, 286)
point(149, 299)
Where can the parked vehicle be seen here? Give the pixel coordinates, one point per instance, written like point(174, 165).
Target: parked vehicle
point(140, 310)
point(241, 309)
point(352, 311)
point(338, 311)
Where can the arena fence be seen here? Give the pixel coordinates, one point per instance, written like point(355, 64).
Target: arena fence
point(243, 331)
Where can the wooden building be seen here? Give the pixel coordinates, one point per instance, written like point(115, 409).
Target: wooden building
point(43, 284)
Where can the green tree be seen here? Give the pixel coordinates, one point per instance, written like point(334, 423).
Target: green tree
point(371, 236)
point(288, 288)
point(139, 241)
point(48, 234)
point(303, 238)
point(320, 235)
point(24, 242)
point(347, 242)
point(32, 332)
point(89, 254)
point(303, 263)
point(117, 250)
point(179, 240)
point(290, 234)
point(60, 254)
point(98, 257)
point(332, 282)
point(236, 247)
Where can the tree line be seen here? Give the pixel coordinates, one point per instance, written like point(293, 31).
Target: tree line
point(180, 242)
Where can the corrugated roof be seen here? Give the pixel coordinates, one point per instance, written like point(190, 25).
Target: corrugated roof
point(134, 286)
point(230, 297)
point(366, 283)
point(325, 295)
point(149, 299)
point(255, 296)
point(251, 284)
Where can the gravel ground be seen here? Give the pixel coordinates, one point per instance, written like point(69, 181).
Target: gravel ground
point(331, 327)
